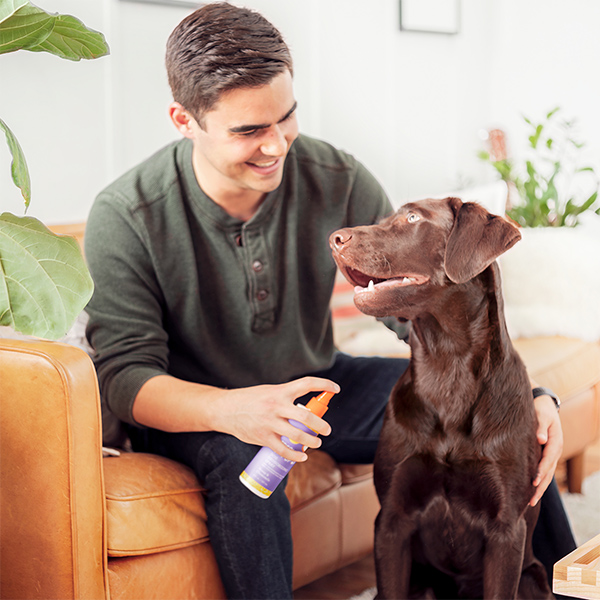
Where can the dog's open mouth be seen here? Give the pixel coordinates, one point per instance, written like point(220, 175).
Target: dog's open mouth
point(369, 283)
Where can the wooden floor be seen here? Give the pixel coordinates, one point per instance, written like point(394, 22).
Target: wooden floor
point(356, 578)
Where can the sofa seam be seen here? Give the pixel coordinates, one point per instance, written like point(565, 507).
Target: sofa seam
point(157, 549)
point(150, 495)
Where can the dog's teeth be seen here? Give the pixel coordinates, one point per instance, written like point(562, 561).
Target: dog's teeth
point(371, 286)
point(406, 280)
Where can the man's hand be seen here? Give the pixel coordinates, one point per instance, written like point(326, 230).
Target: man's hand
point(549, 435)
point(260, 415)
point(256, 415)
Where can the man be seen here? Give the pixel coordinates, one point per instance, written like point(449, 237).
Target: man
point(213, 280)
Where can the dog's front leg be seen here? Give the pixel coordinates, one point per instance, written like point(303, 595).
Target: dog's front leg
point(393, 558)
point(503, 561)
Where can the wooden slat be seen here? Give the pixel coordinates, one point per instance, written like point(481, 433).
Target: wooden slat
point(578, 574)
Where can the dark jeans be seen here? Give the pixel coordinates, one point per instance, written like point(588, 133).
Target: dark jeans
point(251, 536)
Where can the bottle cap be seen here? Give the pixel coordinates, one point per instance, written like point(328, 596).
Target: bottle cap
point(319, 404)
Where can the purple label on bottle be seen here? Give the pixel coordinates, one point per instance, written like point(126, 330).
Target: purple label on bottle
point(267, 468)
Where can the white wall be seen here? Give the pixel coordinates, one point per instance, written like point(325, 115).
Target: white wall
point(56, 108)
point(409, 105)
point(546, 53)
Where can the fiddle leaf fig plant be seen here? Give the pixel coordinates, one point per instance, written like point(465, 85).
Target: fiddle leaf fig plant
point(545, 182)
point(44, 281)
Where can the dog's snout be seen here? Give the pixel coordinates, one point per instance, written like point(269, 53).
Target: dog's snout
point(339, 239)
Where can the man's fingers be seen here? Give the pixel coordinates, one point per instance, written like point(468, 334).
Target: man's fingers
point(547, 467)
point(286, 452)
point(305, 385)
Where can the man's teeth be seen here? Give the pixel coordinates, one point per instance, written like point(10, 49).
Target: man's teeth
point(371, 286)
point(265, 165)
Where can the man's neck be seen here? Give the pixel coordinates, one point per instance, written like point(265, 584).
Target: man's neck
point(239, 203)
point(242, 206)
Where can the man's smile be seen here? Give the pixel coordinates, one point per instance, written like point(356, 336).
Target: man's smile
point(265, 167)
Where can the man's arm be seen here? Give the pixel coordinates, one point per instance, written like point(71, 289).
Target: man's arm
point(256, 415)
point(550, 436)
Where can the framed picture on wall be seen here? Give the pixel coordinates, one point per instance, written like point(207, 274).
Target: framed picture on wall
point(430, 16)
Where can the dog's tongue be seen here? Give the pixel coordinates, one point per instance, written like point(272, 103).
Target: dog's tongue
point(358, 277)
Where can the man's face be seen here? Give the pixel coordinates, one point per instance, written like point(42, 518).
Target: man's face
point(245, 140)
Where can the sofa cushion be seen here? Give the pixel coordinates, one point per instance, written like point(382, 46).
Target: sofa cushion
point(155, 504)
point(571, 368)
point(566, 365)
point(310, 480)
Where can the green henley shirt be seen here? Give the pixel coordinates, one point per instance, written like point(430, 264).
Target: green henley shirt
point(183, 288)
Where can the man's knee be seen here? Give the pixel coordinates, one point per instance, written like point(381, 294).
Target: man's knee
point(224, 453)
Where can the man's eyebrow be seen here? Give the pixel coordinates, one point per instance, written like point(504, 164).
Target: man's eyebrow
point(247, 128)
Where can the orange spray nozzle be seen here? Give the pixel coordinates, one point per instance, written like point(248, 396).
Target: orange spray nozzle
point(319, 404)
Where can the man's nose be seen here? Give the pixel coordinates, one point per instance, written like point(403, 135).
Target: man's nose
point(274, 143)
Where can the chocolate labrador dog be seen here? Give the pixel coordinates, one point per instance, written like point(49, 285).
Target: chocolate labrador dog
point(458, 450)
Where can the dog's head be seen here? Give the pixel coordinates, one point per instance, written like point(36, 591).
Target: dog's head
point(426, 246)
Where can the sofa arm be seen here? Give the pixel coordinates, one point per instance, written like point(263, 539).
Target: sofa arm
point(52, 490)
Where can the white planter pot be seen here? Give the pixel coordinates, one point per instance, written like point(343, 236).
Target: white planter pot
point(551, 281)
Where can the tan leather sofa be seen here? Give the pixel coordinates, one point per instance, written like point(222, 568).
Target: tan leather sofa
point(76, 525)
point(571, 368)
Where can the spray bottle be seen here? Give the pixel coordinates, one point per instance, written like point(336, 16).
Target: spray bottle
point(266, 470)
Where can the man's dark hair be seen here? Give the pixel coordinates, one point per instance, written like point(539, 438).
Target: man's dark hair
point(219, 48)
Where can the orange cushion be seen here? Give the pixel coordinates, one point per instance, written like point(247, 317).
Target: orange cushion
point(568, 366)
point(155, 504)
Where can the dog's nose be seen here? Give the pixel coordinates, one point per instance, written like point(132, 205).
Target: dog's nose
point(338, 239)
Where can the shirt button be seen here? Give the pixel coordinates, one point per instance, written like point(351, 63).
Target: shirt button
point(262, 295)
point(257, 266)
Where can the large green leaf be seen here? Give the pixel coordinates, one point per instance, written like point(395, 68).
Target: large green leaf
point(24, 26)
point(19, 170)
point(44, 282)
point(71, 39)
point(8, 7)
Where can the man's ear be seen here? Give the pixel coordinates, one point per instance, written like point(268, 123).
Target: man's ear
point(181, 119)
point(476, 240)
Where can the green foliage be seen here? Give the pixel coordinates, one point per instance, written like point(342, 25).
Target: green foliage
point(19, 171)
point(24, 26)
point(545, 180)
point(44, 282)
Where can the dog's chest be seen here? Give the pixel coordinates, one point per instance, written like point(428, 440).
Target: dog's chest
point(446, 504)
point(430, 490)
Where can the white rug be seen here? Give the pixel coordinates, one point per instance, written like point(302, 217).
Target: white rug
point(583, 511)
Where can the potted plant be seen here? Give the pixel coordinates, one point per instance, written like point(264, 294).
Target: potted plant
point(44, 281)
point(551, 278)
point(545, 182)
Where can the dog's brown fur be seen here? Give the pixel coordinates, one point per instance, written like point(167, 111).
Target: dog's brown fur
point(458, 450)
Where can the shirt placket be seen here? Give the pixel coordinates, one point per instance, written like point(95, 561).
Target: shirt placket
point(262, 290)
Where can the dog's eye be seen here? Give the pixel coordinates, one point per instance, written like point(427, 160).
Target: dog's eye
point(413, 217)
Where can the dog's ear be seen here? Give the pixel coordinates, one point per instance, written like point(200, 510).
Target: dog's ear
point(476, 240)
